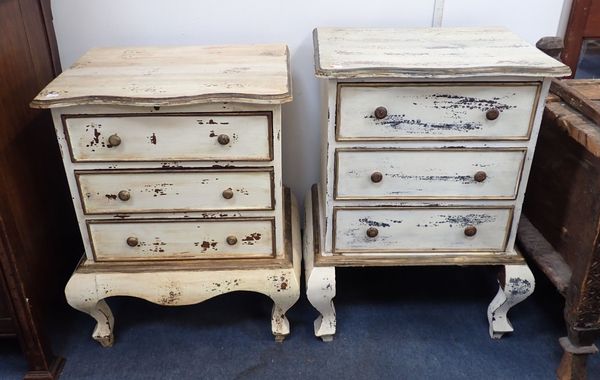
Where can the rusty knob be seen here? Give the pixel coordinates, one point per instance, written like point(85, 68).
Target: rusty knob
point(492, 114)
point(132, 241)
point(372, 232)
point(114, 140)
point(227, 194)
point(124, 195)
point(470, 230)
point(231, 240)
point(223, 139)
point(376, 177)
point(380, 112)
point(480, 176)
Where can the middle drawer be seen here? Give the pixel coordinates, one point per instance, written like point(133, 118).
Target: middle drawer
point(428, 173)
point(138, 191)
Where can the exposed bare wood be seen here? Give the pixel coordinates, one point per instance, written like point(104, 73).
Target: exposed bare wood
point(573, 97)
point(169, 76)
point(428, 53)
point(534, 246)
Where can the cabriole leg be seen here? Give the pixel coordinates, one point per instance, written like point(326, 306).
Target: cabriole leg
point(516, 284)
point(81, 294)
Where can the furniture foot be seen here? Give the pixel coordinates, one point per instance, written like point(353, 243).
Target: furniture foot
point(280, 326)
point(52, 372)
point(81, 294)
point(573, 363)
point(320, 281)
point(516, 284)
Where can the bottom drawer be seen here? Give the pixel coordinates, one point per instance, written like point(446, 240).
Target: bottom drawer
point(403, 229)
point(170, 239)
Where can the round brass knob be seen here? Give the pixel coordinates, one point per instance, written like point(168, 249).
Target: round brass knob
point(380, 112)
point(470, 231)
point(376, 177)
point(124, 195)
point(492, 114)
point(223, 139)
point(480, 176)
point(227, 194)
point(231, 240)
point(372, 232)
point(132, 241)
point(114, 140)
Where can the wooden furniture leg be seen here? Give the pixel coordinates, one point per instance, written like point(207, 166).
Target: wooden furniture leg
point(320, 281)
point(516, 284)
point(577, 347)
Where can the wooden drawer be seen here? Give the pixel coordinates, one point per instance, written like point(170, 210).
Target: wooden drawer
point(457, 111)
point(174, 239)
point(170, 137)
point(136, 191)
point(428, 173)
point(405, 229)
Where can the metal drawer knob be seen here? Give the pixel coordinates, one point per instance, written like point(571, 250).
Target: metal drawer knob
point(470, 231)
point(372, 232)
point(114, 140)
point(223, 139)
point(376, 177)
point(492, 114)
point(227, 194)
point(380, 112)
point(124, 195)
point(480, 176)
point(231, 240)
point(132, 241)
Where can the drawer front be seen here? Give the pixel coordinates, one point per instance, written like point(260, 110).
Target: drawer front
point(182, 239)
point(132, 191)
point(170, 137)
point(428, 174)
point(435, 112)
point(381, 230)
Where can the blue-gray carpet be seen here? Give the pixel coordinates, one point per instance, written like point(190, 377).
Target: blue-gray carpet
point(393, 323)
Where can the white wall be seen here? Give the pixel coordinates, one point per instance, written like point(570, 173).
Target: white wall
point(81, 25)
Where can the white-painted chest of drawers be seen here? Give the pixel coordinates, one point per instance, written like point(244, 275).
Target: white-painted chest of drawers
point(173, 157)
point(427, 140)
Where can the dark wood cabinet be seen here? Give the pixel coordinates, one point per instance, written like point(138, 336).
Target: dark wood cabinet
point(39, 241)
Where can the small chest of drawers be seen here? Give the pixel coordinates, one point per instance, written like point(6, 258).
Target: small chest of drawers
point(173, 156)
point(427, 141)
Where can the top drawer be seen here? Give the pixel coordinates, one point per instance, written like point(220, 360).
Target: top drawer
point(430, 111)
point(170, 137)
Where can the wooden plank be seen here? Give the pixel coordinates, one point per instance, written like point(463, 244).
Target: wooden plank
point(574, 34)
point(417, 260)
point(177, 75)
point(577, 127)
point(573, 97)
point(534, 246)
point(428, 53)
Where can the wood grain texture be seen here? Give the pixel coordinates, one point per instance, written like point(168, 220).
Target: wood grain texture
point(428, 53)
point(576, 99)
point(176, 75)
point(39, 243)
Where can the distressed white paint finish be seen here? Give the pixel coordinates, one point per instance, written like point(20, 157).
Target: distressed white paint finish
point(173, 75)
point(182, 239)
point(428, 53)
point(426, 174)
point(160, 137)
point(173, 166)
point(178, 191)
point(429, 228)
point(421, 230)
point(86, 291)
point(425, 111)
point(519, 284)
point(320, 281)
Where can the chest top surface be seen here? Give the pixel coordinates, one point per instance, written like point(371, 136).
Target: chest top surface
point(177, 75)
point(428, 53)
